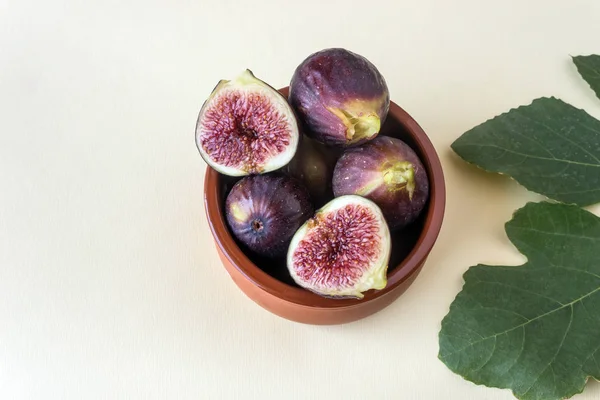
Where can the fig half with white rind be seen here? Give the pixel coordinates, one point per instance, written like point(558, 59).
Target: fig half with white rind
point(246, 127)
point(343, 250)
point(340, 97)
point(387, 171)
point(264, 211)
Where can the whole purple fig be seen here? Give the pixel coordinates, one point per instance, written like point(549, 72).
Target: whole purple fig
point(340, 97)
point(313, 165)
point(388, 172)
point(264, 211)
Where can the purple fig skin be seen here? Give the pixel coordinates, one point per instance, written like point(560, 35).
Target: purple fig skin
point(340, 97)
point(388, 172)
point(264, 211)
point(313, 165)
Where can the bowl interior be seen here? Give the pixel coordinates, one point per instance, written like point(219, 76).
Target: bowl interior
point(410, 246)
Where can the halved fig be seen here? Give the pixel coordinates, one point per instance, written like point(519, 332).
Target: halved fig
point(246, 127)
point(264, 211)
point(343, 250)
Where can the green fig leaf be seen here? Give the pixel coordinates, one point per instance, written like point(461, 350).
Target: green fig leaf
point(589, 69)
point(534, 328)
point(549, 146)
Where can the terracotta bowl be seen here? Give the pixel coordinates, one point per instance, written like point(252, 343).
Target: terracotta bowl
point(266, 281)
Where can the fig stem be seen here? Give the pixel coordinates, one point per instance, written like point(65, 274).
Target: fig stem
point(359, 126)
point(401, 175)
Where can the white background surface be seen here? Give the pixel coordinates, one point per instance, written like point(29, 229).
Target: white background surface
point(110, 287)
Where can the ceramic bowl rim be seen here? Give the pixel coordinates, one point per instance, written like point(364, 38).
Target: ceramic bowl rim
point(408, 266)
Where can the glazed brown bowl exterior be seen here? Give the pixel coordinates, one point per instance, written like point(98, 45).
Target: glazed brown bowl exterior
point(410, 247)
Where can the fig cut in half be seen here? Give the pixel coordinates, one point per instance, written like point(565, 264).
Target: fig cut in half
point(246, 127)
point(343, 250)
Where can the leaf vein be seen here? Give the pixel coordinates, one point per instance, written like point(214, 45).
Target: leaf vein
point(532, 156)
point(560, 345)
point(523, 290)
point(562, 137)
point(569, 235)
point(529, 321)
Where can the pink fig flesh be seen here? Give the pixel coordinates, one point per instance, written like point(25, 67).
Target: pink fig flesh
point(340, 97)
point(387, 171)
point(343, 250)
point(264, 211)
point(246, 127)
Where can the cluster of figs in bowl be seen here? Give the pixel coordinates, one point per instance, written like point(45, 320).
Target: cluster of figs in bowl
point(324, 197)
